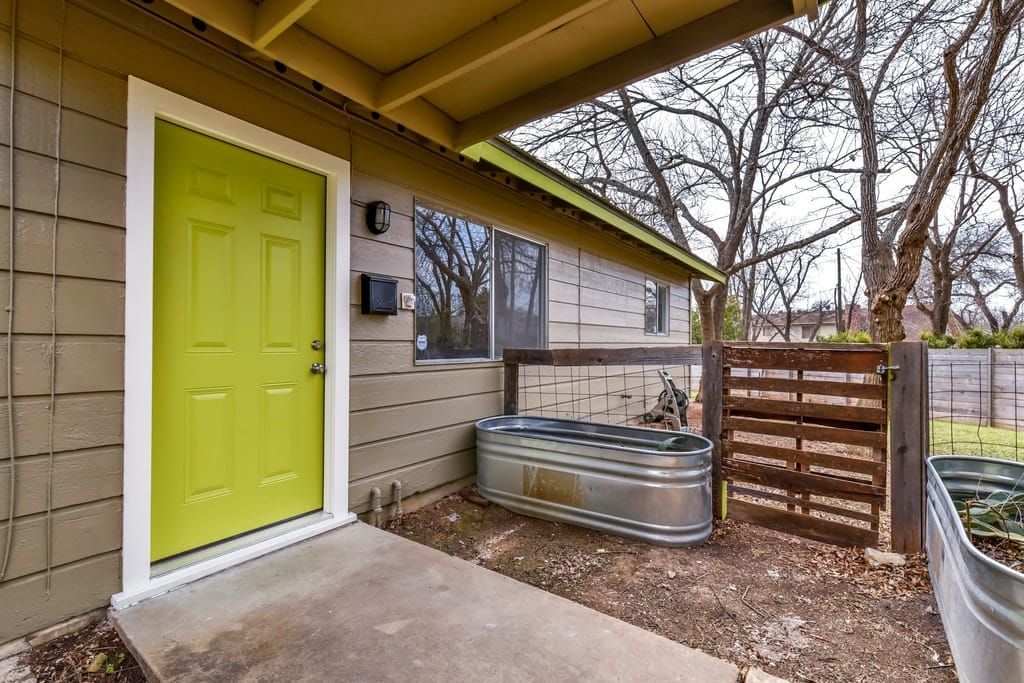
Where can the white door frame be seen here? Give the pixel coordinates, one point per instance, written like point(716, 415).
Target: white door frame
point(146, 103)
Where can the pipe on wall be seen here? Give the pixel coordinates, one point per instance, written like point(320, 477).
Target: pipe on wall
point(396, 485)
point(375, 506)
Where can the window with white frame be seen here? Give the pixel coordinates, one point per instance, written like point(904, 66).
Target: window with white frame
point(478, 289)
point(656, 305)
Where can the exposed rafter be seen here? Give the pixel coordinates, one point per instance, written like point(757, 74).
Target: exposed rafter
point(516, 27)
point(321, 61)
point(274, 16)
point(270, 29)
point(734, 22)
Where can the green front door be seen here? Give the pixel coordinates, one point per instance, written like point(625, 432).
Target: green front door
point(238, 311)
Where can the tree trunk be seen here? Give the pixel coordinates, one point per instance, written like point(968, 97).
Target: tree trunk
point(712, 312)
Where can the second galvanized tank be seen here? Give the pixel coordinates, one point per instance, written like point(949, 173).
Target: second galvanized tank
point(647, 484)
point(981, 601)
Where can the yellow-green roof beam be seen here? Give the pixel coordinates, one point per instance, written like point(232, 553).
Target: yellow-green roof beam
point(535, 174)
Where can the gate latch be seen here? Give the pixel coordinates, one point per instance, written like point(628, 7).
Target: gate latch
point(883, 369)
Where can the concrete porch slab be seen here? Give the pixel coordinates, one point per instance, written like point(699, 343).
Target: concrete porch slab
point(361, 604)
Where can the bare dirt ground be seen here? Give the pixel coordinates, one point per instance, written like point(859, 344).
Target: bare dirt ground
point(95, 653)
point(795, 608)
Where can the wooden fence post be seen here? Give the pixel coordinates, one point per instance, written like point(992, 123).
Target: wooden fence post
point(908, 443)
point(511, 388)
point(711, 371)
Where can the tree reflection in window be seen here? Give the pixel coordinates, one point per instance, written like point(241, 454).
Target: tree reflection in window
point(453, 257)
point(519, 293)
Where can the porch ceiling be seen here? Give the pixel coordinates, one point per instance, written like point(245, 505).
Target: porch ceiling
point(461, 71)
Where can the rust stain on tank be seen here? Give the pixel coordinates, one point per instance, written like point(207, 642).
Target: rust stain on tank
point(555, 486)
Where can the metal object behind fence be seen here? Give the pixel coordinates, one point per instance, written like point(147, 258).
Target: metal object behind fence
point(649, 484)
point(981, 601)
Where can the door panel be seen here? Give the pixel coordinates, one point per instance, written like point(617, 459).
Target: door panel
point(238, 298)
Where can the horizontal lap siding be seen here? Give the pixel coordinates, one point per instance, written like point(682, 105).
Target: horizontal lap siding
point(415, 422)
point(88, 291)
point(408, 422)
point(104, 42)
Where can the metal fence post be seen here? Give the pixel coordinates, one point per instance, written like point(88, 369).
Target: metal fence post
point(908, 443)
point(711, 372)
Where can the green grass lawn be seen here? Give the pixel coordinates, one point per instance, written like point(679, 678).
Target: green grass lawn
point(954, 438)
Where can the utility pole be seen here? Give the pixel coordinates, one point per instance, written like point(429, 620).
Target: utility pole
point(839, 291)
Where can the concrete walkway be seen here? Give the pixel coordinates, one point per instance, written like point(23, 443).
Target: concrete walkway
point(360, 604)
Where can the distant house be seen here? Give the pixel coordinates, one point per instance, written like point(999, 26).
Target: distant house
point(809, 325)
point(801, 326)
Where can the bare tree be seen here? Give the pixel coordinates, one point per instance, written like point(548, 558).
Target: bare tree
point(777, 294)
point(883, 54)
point(723, 134)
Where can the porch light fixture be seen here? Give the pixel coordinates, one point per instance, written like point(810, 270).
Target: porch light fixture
point(378, 217)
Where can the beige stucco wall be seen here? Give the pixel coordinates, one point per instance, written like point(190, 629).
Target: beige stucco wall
point(408, 422)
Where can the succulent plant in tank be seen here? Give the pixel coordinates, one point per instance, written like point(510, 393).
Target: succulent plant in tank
point(999, 515)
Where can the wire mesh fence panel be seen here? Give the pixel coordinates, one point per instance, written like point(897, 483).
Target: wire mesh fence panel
point(639, 386)
point(976, 402)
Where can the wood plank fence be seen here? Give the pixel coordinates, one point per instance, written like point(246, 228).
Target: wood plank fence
point(807, 452)
point(793, 455)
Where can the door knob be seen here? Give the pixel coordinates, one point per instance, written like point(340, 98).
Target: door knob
point(318, 368)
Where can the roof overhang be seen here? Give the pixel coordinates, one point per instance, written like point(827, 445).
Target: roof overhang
point(462, 71)
point(548, 181)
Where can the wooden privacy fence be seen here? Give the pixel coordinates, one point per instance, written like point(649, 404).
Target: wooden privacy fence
point(789, 457)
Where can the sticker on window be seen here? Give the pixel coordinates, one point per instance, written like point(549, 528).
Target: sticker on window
point(421, 342)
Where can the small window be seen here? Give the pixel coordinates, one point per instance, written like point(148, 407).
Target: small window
point(478, 289)
point(655, 308)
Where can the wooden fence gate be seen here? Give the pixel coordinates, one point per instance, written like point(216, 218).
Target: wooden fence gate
point(804, 441)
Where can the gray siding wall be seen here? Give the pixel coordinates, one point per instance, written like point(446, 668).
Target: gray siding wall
point(408, 422)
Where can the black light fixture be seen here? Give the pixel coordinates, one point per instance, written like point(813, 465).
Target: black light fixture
point(378, 217)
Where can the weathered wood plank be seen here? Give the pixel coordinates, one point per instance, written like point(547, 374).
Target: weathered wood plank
point(511, 393)
point(909, 436)
point(806, 482)
point(804, 357)
point(807, 386)
point(804, 503)
point(649, 355)
point(711, 417)
point(852, 437)
point(771, 408)
point(808, 526)
point(831, 461)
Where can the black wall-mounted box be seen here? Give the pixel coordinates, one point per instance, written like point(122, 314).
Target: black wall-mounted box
point(379, 294)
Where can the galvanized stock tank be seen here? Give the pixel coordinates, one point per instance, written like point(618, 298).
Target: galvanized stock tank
point(981, 601)
point(649, 484)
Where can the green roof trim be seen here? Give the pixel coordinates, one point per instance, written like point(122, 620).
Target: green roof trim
point(520, 164)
